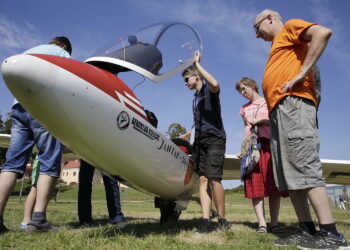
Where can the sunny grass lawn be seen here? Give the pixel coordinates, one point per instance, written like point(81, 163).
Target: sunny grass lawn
point(143, 230)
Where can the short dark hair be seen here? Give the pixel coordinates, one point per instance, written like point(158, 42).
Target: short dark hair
point(247, 82)
point(62, 41)
point(192, 70)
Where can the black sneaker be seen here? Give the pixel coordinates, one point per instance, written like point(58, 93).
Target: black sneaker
point(298, 237)
point(3, 229)
point(325, 240)
point(120, 224)
point(205, 227)
point(40, 228)
point(223, 224)
point(276, 230)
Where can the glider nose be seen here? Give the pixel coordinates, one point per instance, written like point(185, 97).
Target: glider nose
point(15, 71)
point(22, 76)
point(9, 68)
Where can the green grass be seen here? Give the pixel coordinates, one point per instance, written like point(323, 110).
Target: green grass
point(143, 230)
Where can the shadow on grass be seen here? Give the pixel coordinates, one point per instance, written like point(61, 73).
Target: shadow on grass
point(105, 222)
point(140, 227)
point(95, 223)
point(66, 202)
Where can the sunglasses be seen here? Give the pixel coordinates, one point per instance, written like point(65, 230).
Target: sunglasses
point(257, 25)
point(187, 78)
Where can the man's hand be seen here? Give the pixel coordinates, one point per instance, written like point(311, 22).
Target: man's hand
point(288, 86)
point(239, 155)
point(197, 57)
point(186, 136)
point(183, 137)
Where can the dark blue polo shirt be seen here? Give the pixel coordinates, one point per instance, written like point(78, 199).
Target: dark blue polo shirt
point(207, 114)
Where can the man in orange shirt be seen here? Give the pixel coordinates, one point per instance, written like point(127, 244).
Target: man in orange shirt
point(290, 94)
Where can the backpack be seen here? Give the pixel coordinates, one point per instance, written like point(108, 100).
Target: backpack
point(250, 149)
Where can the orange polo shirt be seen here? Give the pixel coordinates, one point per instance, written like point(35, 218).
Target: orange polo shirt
point(285, 61)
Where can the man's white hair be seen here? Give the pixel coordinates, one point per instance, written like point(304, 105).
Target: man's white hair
point(267, 12)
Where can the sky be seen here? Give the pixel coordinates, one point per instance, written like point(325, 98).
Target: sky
point(230, 52)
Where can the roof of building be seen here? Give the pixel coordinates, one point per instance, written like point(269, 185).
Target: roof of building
point(72, 164)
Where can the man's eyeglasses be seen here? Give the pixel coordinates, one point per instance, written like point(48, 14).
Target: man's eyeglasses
point(187, 78)
point(257, 25)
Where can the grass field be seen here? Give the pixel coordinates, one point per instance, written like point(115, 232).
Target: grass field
point(143, 230)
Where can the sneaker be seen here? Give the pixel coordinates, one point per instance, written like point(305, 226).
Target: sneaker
point(120, 224)
point(23, 226)
point(223, 224)
point(276, 230)
point(325, 240)
point(205, 227)
point(3, 229)
point(297, 238)
point(41, 228)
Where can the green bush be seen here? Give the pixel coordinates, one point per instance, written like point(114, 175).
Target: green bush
point(26, 187)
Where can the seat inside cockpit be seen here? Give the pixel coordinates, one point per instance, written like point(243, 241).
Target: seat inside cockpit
point(144, 55)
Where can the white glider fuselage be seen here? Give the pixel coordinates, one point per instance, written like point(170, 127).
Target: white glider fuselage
point(97, 116)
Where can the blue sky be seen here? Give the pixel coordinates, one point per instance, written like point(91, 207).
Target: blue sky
point(231, 51)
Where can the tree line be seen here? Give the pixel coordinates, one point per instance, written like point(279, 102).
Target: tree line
point(5, 128)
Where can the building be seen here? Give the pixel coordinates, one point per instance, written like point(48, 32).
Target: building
point(70, 173)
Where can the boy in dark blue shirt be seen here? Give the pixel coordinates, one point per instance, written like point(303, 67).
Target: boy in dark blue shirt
point(209, 142)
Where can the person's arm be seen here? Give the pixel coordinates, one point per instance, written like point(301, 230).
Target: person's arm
point(239, 154)
point(260, 121)
point(318, 37)
point(213, 84)
point(256, 121)
point(186, 135)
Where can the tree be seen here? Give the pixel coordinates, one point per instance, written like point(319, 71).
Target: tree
point(1, 122)
point(7, 124)
point(175, 130)
point(5, 128)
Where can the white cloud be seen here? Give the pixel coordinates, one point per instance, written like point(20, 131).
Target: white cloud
point(16, 36)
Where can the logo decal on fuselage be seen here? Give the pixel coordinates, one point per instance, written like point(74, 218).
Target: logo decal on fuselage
point(144, 129)
point(123, 120)
point(175, 152)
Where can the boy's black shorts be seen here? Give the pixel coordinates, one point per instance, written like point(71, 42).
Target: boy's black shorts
point(208, 155)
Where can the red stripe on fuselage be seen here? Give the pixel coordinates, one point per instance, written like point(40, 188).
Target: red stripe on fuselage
point(104, 80)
